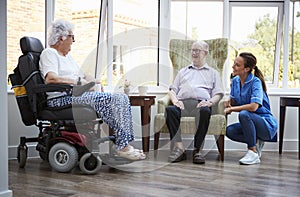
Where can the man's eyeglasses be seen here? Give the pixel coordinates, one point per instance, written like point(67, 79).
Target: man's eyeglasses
point(196, 50)
point(72, 36)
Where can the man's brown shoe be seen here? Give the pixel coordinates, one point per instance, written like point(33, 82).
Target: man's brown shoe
point(198, 158)
point(177, 155)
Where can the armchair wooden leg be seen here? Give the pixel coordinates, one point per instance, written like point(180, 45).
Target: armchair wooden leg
point(220, 144)
point(156, 141)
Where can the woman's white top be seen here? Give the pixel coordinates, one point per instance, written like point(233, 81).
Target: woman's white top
point(63, 66)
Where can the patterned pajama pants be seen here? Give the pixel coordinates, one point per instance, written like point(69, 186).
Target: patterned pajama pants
point(114, 109)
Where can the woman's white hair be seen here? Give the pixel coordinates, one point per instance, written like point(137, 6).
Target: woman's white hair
point(59, 28)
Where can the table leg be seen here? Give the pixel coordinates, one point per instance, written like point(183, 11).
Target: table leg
point(145, 118)
point(281, 127)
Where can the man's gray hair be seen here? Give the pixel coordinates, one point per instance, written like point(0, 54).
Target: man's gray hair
point(59, 28)
point(204, 46)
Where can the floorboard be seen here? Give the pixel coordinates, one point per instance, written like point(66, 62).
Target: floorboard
point(276, 175)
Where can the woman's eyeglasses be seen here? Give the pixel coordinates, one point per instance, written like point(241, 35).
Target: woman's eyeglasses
point(72, 36)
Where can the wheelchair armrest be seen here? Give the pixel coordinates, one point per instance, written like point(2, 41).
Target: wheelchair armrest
point(76, 90)
point(80, 89)
point(40, 88)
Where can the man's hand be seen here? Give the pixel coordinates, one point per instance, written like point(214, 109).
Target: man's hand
point(179, 104)
point(204, 104)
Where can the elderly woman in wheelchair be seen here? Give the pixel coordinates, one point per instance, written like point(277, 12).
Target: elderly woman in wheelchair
point(57, 66)
point(59, 69)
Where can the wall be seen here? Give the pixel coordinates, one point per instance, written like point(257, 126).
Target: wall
point(16, 129)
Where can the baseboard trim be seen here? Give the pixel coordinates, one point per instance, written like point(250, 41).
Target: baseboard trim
point(6, 193)
point(13, 151)
point(164, 144)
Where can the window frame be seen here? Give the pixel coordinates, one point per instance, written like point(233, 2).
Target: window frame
point(164, 20)
point(279, 31)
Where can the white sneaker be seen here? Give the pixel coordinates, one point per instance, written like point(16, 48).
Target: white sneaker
point(259, 145)
point(250, 158)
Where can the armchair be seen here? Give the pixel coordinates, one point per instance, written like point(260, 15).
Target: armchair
point(180, 57)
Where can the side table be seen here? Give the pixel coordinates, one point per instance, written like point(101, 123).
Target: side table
point(145, 103)
point(288, 102)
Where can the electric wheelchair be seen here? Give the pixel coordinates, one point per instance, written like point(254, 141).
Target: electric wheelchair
point(68, 136)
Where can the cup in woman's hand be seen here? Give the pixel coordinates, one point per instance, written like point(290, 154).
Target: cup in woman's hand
point(98, 87)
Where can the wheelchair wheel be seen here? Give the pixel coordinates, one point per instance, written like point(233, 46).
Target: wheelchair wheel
point(22, 155)
point(90, 164)
point(63, 157)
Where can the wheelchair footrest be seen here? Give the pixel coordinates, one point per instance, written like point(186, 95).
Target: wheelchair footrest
point(114, 160)
point(24, 140)
point(105, 139)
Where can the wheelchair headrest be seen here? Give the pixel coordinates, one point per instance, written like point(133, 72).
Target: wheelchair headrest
point(30, 44)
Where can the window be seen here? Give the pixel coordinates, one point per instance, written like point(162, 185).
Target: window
point(294, 66)
point(135, 35)
point(260, 34)
point(27, 20)
point(135, 42)
point(85, 16)
point(134, 39)
point(197, 19)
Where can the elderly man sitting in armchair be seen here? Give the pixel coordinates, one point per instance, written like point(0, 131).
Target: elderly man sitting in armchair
point(196, 88)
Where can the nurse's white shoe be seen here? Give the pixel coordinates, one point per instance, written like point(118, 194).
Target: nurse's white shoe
point(250, 158)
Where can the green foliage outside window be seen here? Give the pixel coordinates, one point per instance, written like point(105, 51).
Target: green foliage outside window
point(262, 43)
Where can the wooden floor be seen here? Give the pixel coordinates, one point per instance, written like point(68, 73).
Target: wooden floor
point(275, 176)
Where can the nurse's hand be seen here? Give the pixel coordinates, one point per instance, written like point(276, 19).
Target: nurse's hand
point(227, 103)
point(227, 110)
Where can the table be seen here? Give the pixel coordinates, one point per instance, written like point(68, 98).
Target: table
point(288, 102)
point(145, 103)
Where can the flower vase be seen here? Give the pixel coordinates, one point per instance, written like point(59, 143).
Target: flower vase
point(127, 91)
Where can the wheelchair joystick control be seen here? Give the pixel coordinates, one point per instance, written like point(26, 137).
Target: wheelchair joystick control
point(79, 81)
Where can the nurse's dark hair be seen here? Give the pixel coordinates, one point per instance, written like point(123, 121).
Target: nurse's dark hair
point(250, 62)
